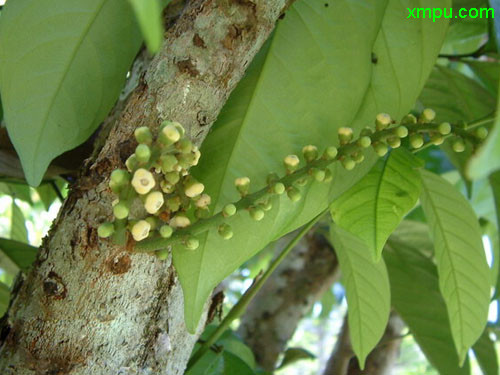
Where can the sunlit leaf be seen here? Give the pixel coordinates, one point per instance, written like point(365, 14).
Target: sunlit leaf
point(20, 254)
point(18, 231)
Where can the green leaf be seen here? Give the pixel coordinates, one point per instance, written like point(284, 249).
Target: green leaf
point(487, 72)
point(235, 365)
point(16, 190)
point(495, 187)
point(416, 297)
point(61, 72)
point(18, 231)
point(464, 276)
point(293, 355)
point(306, 83)
point(456, 98)
point(4, 298)
point(20, 254)
point(367, 291)
point(148, 13)
point(373, 208)
point(486, 355)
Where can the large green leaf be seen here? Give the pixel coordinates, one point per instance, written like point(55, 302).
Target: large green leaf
point(306, 83)
point(367, 291)
point(416, 297)
point(486, 355)
point(495, 187)
point(62, 66)
point(20, 254)
point(464, 276)
point(18, 231)
point(373, 208)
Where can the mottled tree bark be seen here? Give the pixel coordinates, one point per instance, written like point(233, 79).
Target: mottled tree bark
point(88, 306)
point(380, 361)
point(272, 317)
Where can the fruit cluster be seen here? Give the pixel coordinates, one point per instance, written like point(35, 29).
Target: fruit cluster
point(162, 204)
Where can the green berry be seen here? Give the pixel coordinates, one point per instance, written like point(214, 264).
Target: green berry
point(266, 205)
point(401, 131)
point(330, 153)
point(458, 145)
point(365, 141)
point(380, 149)
point(310, 153)
point(428, 115)
point(481, 132)
point(294, 194)
point(328, 175)
point(166, 231)
point(225, 231)
point(409, 119)
point(319, 175)
point(394, 142)
point(120, 210)
point(437, 139)
point(348, 163)
point(358, 157)
point(168, 163)
point(444, 128)
point(184, 145)
point(143, 153)
point(229, 210)
point(132, 163)
point(119, 178)
point(162, 254)
point(278, 188)
point(173, 203)
point(416, 140)
point(191, 243)
point(382, 121)
point(143, 135)
point(172, 177)
point(345, 135)
point(105, 230)
point(256, 213)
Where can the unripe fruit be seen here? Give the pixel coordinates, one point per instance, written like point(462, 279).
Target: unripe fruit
point(162, 254)
point(225, 231)
point(153, 202)
point(291, 162)
point(458, 145)
point(105, 230)
point(191, 243)
point(153, 221)
point(229, 210)
point(428, 115)
point(401, 131)
point(143, 135)
point(120, 177)
point(242, 185)
point(348, 163)
point(345, 135)
point(168, 163)
point(294, 194)
point(437, 139)
point(365, 142)
point(141, 230)
point(310, 153)
point(169, 134)
point(394, 142)
point(409, 119)
point(328, 175)
point(278, 188)
point(172, 177)
point(120, 210)
point(266, 205)
point(382, 121)
point(319, 175)
point(173, 204)
point(166, 231)
point(481, 132)
point(358, 157)
point(166, 187)
point(203, 201)
point(444, 128)
point(184, 145)
point(143, 181)
point(330, 153)
point(186, 160)
point(179, 221)
point(192, 188)
point(143, 153)
point(256, 213)
point(380, 149)
point(416, 140)
point(132, 163)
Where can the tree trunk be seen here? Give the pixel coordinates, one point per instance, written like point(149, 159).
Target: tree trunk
point(380, 361)
point(88, 306)
point(272, 317)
